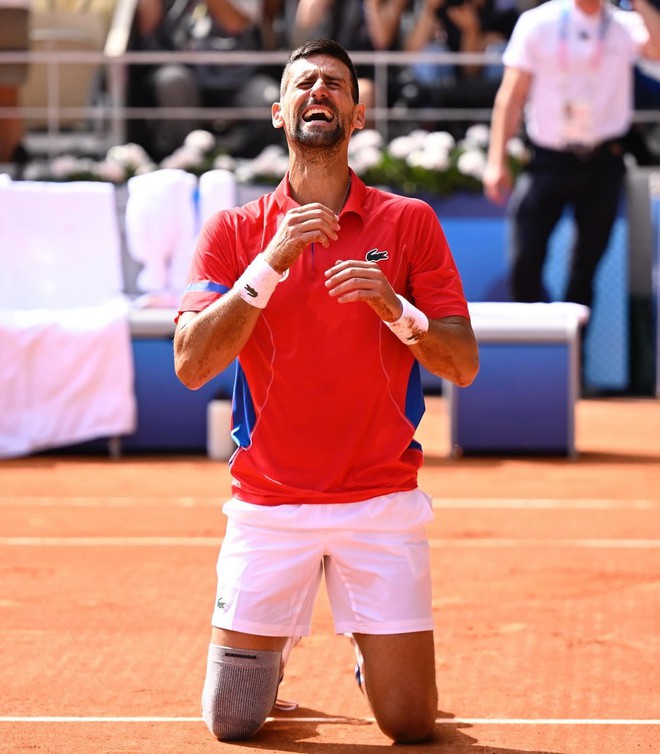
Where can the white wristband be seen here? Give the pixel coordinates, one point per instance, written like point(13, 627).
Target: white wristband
point(257, 283)
point(411, 325)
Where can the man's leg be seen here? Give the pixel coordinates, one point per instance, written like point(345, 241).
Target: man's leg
point(534, 210)
point(399, 674)
point(595, 214)
point(242, 676)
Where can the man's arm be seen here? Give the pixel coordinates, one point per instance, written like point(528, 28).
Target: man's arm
point(206, 343)
point(507, 117)
point(447, 349)
point(383, 21)
point(651, 16)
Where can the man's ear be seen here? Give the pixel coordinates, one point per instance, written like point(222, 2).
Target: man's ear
point(359, 117)
point(276, 115)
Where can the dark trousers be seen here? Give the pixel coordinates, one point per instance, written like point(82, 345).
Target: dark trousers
point(591, 186)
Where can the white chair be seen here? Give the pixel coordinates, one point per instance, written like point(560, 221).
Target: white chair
point(66, 367)
point(161, 226)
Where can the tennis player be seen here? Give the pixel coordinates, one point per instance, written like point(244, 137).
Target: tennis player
point(331, 294)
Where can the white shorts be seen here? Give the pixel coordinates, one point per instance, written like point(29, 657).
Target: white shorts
point(374, 553)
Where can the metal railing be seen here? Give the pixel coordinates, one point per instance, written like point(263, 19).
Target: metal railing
point(107, 115)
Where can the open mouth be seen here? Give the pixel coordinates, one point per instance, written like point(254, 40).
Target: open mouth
point(318, 114)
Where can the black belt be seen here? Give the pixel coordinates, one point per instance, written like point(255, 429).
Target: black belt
point(612, 147)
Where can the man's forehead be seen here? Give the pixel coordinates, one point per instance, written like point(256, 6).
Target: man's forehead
point(319, 64)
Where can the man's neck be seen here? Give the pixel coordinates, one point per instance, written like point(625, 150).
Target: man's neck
point(325, 183)
point(590, 7)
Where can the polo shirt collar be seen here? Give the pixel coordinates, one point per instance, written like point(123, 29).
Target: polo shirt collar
point(354, 203)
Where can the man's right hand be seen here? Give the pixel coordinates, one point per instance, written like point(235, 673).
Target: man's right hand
point(301, 226)
point(497, 183)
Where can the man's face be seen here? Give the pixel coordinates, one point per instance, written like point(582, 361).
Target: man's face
point(317, 108)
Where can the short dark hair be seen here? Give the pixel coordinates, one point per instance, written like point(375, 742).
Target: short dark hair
point(321, 47)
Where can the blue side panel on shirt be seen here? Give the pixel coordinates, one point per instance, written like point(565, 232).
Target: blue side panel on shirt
point(207, 286)
point(415, 405)
point(243, 414)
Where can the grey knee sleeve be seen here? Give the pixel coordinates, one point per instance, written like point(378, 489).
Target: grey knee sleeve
point(239, 690)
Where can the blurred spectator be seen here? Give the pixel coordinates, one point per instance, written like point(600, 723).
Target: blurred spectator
point(216, 25)
point(470, 26)
point(568, 82)
point(14, 18)
point(358, 25)
point(643, 139)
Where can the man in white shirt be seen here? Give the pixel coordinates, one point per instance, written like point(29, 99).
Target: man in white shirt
point(569, 71)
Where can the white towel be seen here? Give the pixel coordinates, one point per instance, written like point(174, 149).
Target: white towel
point(161, 227)
point(59, 244)
point(217, 190)
point(65, 377)
point(66, 364)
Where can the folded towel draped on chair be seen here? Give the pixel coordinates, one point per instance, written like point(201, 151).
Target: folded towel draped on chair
point(164, 214)
point(66, 367)
point(66, 376)
point(161, 225)
point(217, 190)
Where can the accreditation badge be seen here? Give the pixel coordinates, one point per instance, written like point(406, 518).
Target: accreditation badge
point(577, 124)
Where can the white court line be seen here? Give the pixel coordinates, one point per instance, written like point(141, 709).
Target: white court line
point(549, 503)
point(457, 543)
point(99, 501)
point(316, 720)
point(582, 544)
point(110, 541)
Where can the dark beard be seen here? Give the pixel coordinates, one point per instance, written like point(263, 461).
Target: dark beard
point(319, 139)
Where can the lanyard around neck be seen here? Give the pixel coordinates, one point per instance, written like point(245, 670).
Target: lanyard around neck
point(564, 24)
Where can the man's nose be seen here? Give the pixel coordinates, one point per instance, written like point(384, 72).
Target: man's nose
point(319, 90)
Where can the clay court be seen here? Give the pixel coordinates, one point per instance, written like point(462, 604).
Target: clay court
point(546, 578)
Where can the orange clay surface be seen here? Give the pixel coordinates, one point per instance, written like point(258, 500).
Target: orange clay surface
point(546, 594)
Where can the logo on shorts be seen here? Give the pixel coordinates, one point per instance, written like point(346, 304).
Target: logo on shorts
point(220, 604)
point(375, 256)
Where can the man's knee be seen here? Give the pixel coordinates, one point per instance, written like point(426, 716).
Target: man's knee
point(407, 726)
point(239, 691)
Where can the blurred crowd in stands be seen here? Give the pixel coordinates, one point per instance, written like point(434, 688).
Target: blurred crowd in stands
point(359, 25)
point(472, 26)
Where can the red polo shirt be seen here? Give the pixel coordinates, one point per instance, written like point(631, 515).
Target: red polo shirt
point(327, 399)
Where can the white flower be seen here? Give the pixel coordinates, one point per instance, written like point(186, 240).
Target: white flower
point(273, 160)
point(37, 171)
point(87, 165)
point(64, 166)
point(150, 167)
point(419, 136)
point(422, 158)
point(365, 158)
point(401, 147)
point(183, 158)
point(244, 173)
point(479, 134)
point(112, 171)
point(130, 155)
point(367, 138)
point(441, 140)
point(224, 162)
point(473, 163)
point(439, 159)
point(202, 141)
